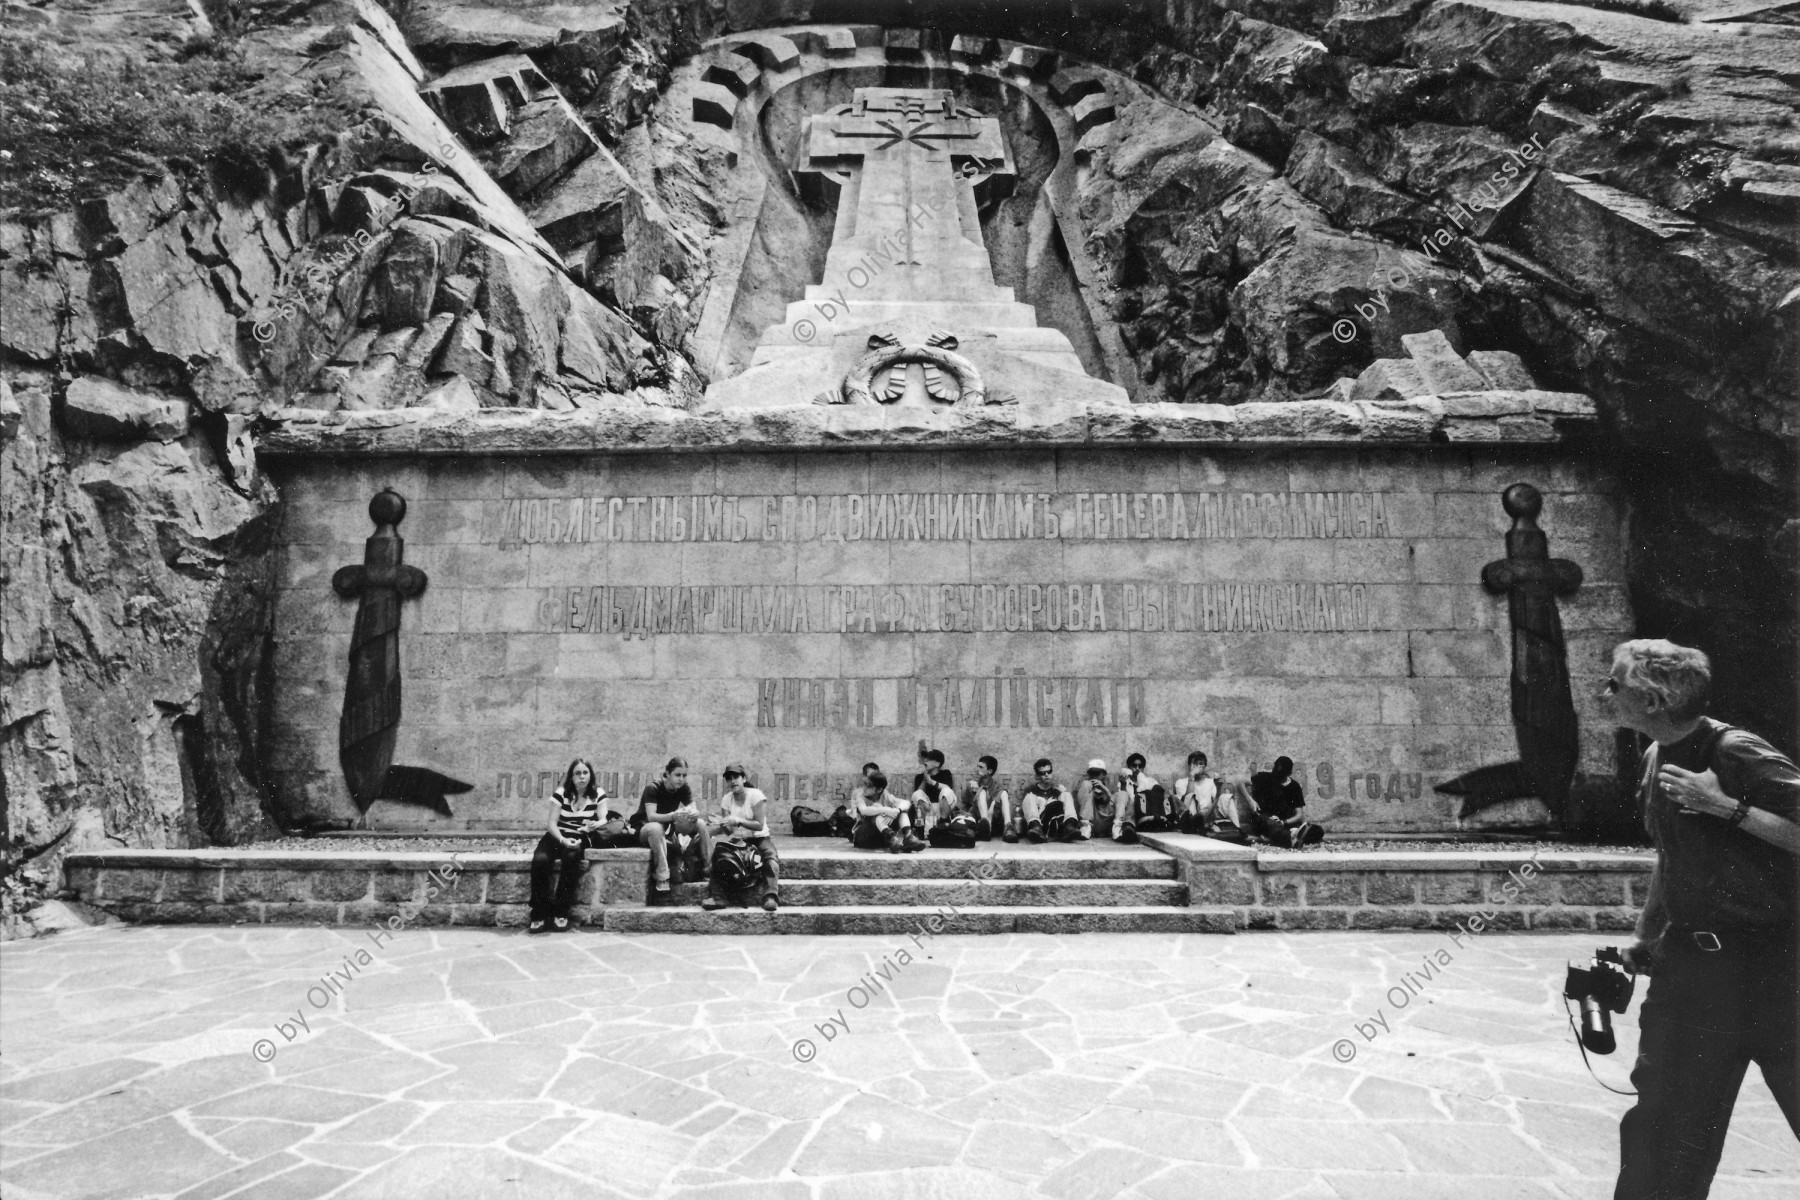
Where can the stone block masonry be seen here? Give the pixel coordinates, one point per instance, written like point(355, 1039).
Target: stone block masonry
point(806, 612)
point(1469, 890)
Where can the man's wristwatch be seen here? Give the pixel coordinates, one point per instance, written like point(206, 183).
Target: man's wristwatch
point(1737, 818)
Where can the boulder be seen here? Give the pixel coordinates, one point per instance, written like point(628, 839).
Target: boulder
point(586, 205)
point(1335, 179)
point(405, 283)
point(104, 411)
point(1440, 366)
point(546, 139)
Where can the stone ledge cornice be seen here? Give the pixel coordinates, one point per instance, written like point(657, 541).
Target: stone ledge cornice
point(1453, 419)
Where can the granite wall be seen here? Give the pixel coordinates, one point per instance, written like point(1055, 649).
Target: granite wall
point(804, 613)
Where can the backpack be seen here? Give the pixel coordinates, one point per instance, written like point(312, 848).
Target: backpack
point(808, 823)
point(737, 865)
point(957, 833)
point(842, 823)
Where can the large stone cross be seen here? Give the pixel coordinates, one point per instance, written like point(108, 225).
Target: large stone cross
point(906, 310)
point(911, 146)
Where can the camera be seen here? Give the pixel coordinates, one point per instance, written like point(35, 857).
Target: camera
point(1601, 990)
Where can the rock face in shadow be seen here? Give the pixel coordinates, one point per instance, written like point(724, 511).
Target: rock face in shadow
point(135, 614)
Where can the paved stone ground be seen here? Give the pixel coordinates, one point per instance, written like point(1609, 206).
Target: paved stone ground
point(481, 1063)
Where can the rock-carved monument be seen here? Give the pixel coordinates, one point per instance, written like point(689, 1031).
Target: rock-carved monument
point(911, 505)
point(908, 311)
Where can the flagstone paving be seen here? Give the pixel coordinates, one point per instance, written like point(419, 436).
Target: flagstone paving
point(481, 1063)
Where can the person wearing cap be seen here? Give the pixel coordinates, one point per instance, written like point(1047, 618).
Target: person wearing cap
point(1278, 807)
point(743, 818)
point(1098, 808)
point(1048, 808)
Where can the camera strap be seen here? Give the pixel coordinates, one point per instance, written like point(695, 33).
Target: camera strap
point(1585, 1061)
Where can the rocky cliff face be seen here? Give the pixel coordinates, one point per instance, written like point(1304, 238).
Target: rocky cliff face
point(502, 216)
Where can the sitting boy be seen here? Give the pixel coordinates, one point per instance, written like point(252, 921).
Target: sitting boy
point(991, 803)
point(882, 819)
point(1048, 808)
point(743, 821)
point(1205, 805)
point(1277, 809)
point(1145, 796)
point(1101, 809)
point(955, 822)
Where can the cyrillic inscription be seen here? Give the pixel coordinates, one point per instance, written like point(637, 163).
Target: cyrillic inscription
point(1016, 701)
point(943, 516)
point(959, 608)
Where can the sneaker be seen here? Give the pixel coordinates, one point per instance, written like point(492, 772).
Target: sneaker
point(911, 844)
point(894, 845)
point(712, 903)
point(1035, 833)
point(770, 903)
point(536, 926)
point(1129, 834)
point(1087, 831)
point(1010, 836)
point(559, 924)
point(661, 897)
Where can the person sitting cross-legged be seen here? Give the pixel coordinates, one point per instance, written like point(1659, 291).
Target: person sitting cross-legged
point(882, 819)
point(1048, 808)
point(742, 826)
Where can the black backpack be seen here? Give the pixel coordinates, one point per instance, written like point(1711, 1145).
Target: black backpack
point(808, 823)
point(737, 866)
point(842, 823)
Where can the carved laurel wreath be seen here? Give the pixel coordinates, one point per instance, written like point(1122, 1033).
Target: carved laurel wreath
point(938, 356)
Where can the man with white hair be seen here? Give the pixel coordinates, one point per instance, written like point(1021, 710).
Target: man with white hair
point(1718, 928)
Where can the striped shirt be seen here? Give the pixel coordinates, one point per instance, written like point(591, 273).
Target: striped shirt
point(575, 816)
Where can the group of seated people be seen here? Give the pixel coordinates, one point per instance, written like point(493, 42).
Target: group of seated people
point(1272, 810)
point(732, 848)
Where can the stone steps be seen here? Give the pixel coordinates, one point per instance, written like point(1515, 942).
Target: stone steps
point(822, 859)
point(908, 919)
point(964, 893)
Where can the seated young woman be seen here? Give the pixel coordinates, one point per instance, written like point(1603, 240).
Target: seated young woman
point(742, 823)
point(576, 818)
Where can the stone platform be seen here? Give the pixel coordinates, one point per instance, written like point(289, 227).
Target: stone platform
point(1170, 883)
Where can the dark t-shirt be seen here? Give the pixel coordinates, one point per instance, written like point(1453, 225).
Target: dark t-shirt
point(940, 775)
point(657, 798)
point(1715, 877)
point(1279, 800)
